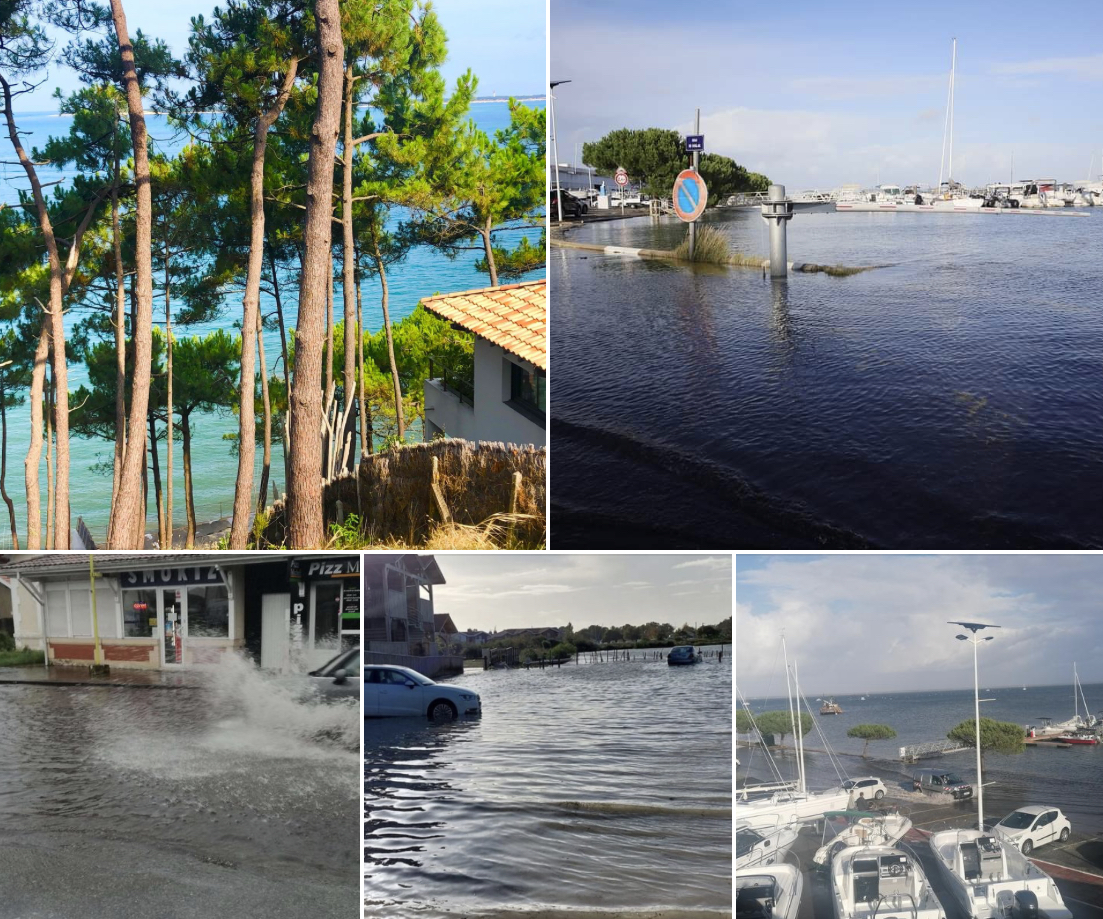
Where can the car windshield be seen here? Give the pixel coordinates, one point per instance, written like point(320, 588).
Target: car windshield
point(1019, 820)
point(849, 783)
point(952, 779)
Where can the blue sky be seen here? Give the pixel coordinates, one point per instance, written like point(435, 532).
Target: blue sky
point(494, 590)
point(502, 41)
point(817, 95)
point(878, 623)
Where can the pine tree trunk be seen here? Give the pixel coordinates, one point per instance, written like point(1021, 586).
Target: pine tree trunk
point(126, 527)
point(50, 491)
point(348, 281)
point(399, 415)
point(34, 449)
point(189, 500)
point(367, 445)
point(119, 324)
point(158, 492)
point(488, 248)
point(305, 512)
point(4, 462)
point(250, 325)
point(266, 401)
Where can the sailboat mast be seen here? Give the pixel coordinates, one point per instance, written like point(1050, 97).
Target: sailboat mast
point(1075, 695)
point(953, 70)
point(789, 690)
point(945, 130)
point(800, 733)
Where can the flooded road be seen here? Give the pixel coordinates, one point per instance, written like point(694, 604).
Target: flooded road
point(953, 399)
point(228, 796)
point(595, 788)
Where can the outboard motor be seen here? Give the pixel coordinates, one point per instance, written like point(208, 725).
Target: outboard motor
point(1026, 905)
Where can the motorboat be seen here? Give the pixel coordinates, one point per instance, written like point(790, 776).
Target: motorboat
point(868, 882)
point(992, 879)
point(784, 808)
point(884, 198)
point(769, 894)
point(831, 707)
point(1077, 737)
point(760, 847)
point(859, 828)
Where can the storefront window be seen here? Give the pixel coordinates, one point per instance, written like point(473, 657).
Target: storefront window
point(139, 613)
point(208, 612)
point(327, 613)
point(57, 611)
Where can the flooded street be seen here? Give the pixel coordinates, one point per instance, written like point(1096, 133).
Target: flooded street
point(594, 788)
point(228, 795)
point(950, 399)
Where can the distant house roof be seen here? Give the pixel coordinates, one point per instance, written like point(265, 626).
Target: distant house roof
point(442, 622)
point(513, 316)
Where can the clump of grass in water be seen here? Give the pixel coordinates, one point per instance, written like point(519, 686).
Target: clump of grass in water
point(711, 247)
point(836, 271)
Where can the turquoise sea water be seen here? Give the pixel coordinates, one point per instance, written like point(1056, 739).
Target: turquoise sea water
point(424, 273)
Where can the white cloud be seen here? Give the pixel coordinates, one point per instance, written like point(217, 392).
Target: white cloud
point(712, 562)
point(1081, 68)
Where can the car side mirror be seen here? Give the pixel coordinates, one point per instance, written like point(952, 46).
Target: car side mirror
point(411, 685)
point(340, 676)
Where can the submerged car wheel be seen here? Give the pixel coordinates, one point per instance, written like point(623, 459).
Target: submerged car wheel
point(442, 710)
point(1028, 847)
point(1065, 835)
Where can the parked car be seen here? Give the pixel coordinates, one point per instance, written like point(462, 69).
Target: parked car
point(865, 789)
point(402, 692)
point(683, 654)
point(940, 781)
point(1030, 827)
point(572, 206)
point(339, 678)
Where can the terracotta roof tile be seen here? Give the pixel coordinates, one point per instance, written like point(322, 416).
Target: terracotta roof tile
point(513, 316)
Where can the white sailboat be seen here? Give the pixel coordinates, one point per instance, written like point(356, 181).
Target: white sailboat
point(952, 195)
point(770, 894)
point(1078, 722)
point(872, 881)
point(759, 848)
point(992, 879)
point(788, 807)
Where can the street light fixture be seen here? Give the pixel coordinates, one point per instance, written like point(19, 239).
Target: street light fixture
point(975, 627)
point(555, 146)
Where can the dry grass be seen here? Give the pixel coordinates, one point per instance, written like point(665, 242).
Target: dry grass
point(711, 247)
point(836, 271)
point(746, 261)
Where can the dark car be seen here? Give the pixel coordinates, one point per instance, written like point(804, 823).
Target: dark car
point(940, 781)
point(340, 677)
point(572, 206)
point(683, 654)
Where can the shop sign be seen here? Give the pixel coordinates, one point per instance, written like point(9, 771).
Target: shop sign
point(344, 567)
point(172, 577)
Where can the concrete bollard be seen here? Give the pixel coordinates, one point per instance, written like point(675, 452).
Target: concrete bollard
point(776, 212)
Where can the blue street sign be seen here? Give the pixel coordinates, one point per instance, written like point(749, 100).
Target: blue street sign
point(695, 143)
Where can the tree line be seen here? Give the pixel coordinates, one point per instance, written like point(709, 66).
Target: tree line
point(322, 147)
point(654, 157)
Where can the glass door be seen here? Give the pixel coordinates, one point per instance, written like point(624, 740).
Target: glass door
point(172, 615)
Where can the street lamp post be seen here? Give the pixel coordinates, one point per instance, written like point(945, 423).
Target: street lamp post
point(555, 147)
point(975, 627)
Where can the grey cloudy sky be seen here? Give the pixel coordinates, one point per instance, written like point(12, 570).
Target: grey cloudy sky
point(878, 623)
point(498, 591)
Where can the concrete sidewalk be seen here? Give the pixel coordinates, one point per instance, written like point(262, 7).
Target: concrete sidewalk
point(80, 676)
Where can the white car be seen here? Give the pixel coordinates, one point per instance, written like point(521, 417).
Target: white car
point(402, 692)
point(1030, 827)
point(864, 789)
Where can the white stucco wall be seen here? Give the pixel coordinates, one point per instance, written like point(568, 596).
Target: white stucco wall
point(492, 418)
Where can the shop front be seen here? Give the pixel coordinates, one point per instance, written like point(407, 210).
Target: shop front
point(289, 612)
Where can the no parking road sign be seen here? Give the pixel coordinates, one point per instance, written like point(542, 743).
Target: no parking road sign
point(621, 178)
point(690, 195)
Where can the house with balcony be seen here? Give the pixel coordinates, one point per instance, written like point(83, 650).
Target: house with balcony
point(500, 395)
point(398, 604)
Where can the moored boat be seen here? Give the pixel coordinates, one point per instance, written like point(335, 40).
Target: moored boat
point(858, 828)
point(994, 880)
point(771, 894)
point(881, 881)
point(831, 707)
point(760, 847)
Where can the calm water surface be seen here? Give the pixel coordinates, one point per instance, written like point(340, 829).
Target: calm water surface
point(231, 771)
point(591, 787)
point(1066, 778)
point(953, 399)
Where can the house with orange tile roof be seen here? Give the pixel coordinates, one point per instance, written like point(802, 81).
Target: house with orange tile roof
point(503, 397)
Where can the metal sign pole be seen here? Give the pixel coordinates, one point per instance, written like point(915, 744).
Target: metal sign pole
point(693, 225)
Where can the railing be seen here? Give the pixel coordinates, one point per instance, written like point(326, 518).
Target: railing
point(915, 752)
point(460, 385)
